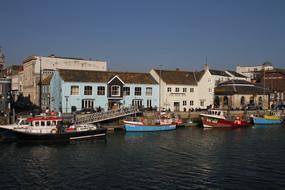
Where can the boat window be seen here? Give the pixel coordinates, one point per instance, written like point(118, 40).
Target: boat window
point(24, 122)
point(36, 123)
point(48, 123)
point(53, 123)
point(18, 121)
point(43, 123)
point(219, 113)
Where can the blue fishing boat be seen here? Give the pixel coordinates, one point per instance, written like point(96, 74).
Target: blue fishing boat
point(145, 128)
point(266, 121)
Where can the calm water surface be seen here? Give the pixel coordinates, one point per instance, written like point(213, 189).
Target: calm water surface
point(188, 158)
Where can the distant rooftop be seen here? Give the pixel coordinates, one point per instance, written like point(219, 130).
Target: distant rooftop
point(34, 57)
point(179, 77)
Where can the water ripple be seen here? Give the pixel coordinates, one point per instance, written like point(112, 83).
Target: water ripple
point(189, 158)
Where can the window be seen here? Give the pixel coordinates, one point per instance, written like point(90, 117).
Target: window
point(74, 90)
point(138, 91)
point(184, 89)
point(168, 89)
point(210, 89)
point(1, 88)
point(149, 104)
point(191, 102)
point(202, 102)
point(176, 89)
point(242, 100)
point(88, 90)
point(87, 103)
point(226, 101)
point(101, 90)
point(184, 103)
point(115, 90)
point(209, 80)
point(148, 91)
point(260, 101)
point(191, 89)
point(126, 91)
point(137, 102)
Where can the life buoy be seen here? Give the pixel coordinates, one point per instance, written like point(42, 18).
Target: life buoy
point(53, 131)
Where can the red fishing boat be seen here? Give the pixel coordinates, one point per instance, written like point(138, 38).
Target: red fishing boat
point(221, 119)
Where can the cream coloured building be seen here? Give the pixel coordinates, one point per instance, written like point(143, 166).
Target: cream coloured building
point(253, 72)
point(184, 90)
point(47, 65)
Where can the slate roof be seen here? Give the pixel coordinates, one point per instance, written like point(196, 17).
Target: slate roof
point(179, 77)
point(105, 76)
point(218, 72)
point(237, 74)
point(239, 87)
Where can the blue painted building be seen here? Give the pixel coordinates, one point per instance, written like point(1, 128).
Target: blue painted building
point(72, 90)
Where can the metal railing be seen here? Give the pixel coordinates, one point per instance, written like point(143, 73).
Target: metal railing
point(103, 116)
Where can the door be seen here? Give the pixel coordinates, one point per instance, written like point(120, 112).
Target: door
point(176, 106)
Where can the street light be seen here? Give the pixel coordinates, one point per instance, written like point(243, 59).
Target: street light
point(159, 108)
point(66, 101)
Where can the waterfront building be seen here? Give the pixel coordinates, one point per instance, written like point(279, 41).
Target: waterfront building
point(184, 90)
point(35, 67)
point(220, 76)
point(237, 94)
point(5, 89)
point(72, 90)
point(14, 72)
point(275, 80)
point(254, 72)
point(46, 99)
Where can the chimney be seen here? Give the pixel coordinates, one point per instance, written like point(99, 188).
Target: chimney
point(206, 67)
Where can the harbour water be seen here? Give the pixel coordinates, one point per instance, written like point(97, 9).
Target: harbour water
point(187, 158)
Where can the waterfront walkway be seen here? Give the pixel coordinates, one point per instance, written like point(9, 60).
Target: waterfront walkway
point(104, 116)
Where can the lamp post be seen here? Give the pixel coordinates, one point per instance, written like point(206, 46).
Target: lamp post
point(159, 108)
point(66, 103)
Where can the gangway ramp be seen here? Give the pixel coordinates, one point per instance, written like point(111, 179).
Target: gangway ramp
point(104, 116)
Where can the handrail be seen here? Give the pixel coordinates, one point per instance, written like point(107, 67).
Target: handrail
point(103, 116)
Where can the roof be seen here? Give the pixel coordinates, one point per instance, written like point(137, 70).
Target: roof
point(236, 82)
point(218, 72)
point(180, 77)
point(34, 57)
point(237, 74)
point(105, 76)
point(46, 80)
point(239, 87)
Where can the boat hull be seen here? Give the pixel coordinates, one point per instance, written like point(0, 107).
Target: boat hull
point(59, 137)
point(214, 122)
point(264, 121)
point(146, 128)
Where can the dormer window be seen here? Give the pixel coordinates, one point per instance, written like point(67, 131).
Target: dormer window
point(115, 90)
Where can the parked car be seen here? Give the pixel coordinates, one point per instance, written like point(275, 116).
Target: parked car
point(281, 107)
point(253, 107)
point(85, 111)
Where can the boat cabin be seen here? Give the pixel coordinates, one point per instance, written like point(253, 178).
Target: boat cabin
point(39, 124)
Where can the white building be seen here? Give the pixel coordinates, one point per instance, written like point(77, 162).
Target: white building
point(47, 65)
point(253, 72)
point(184, 90)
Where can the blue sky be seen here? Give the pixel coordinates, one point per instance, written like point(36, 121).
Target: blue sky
point(137, 35)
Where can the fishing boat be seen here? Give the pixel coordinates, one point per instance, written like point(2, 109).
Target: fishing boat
point(221, 119)
point(51, 129)
point(271, 118)
point(144, 125)
point(149, 127)
point(266, 121)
